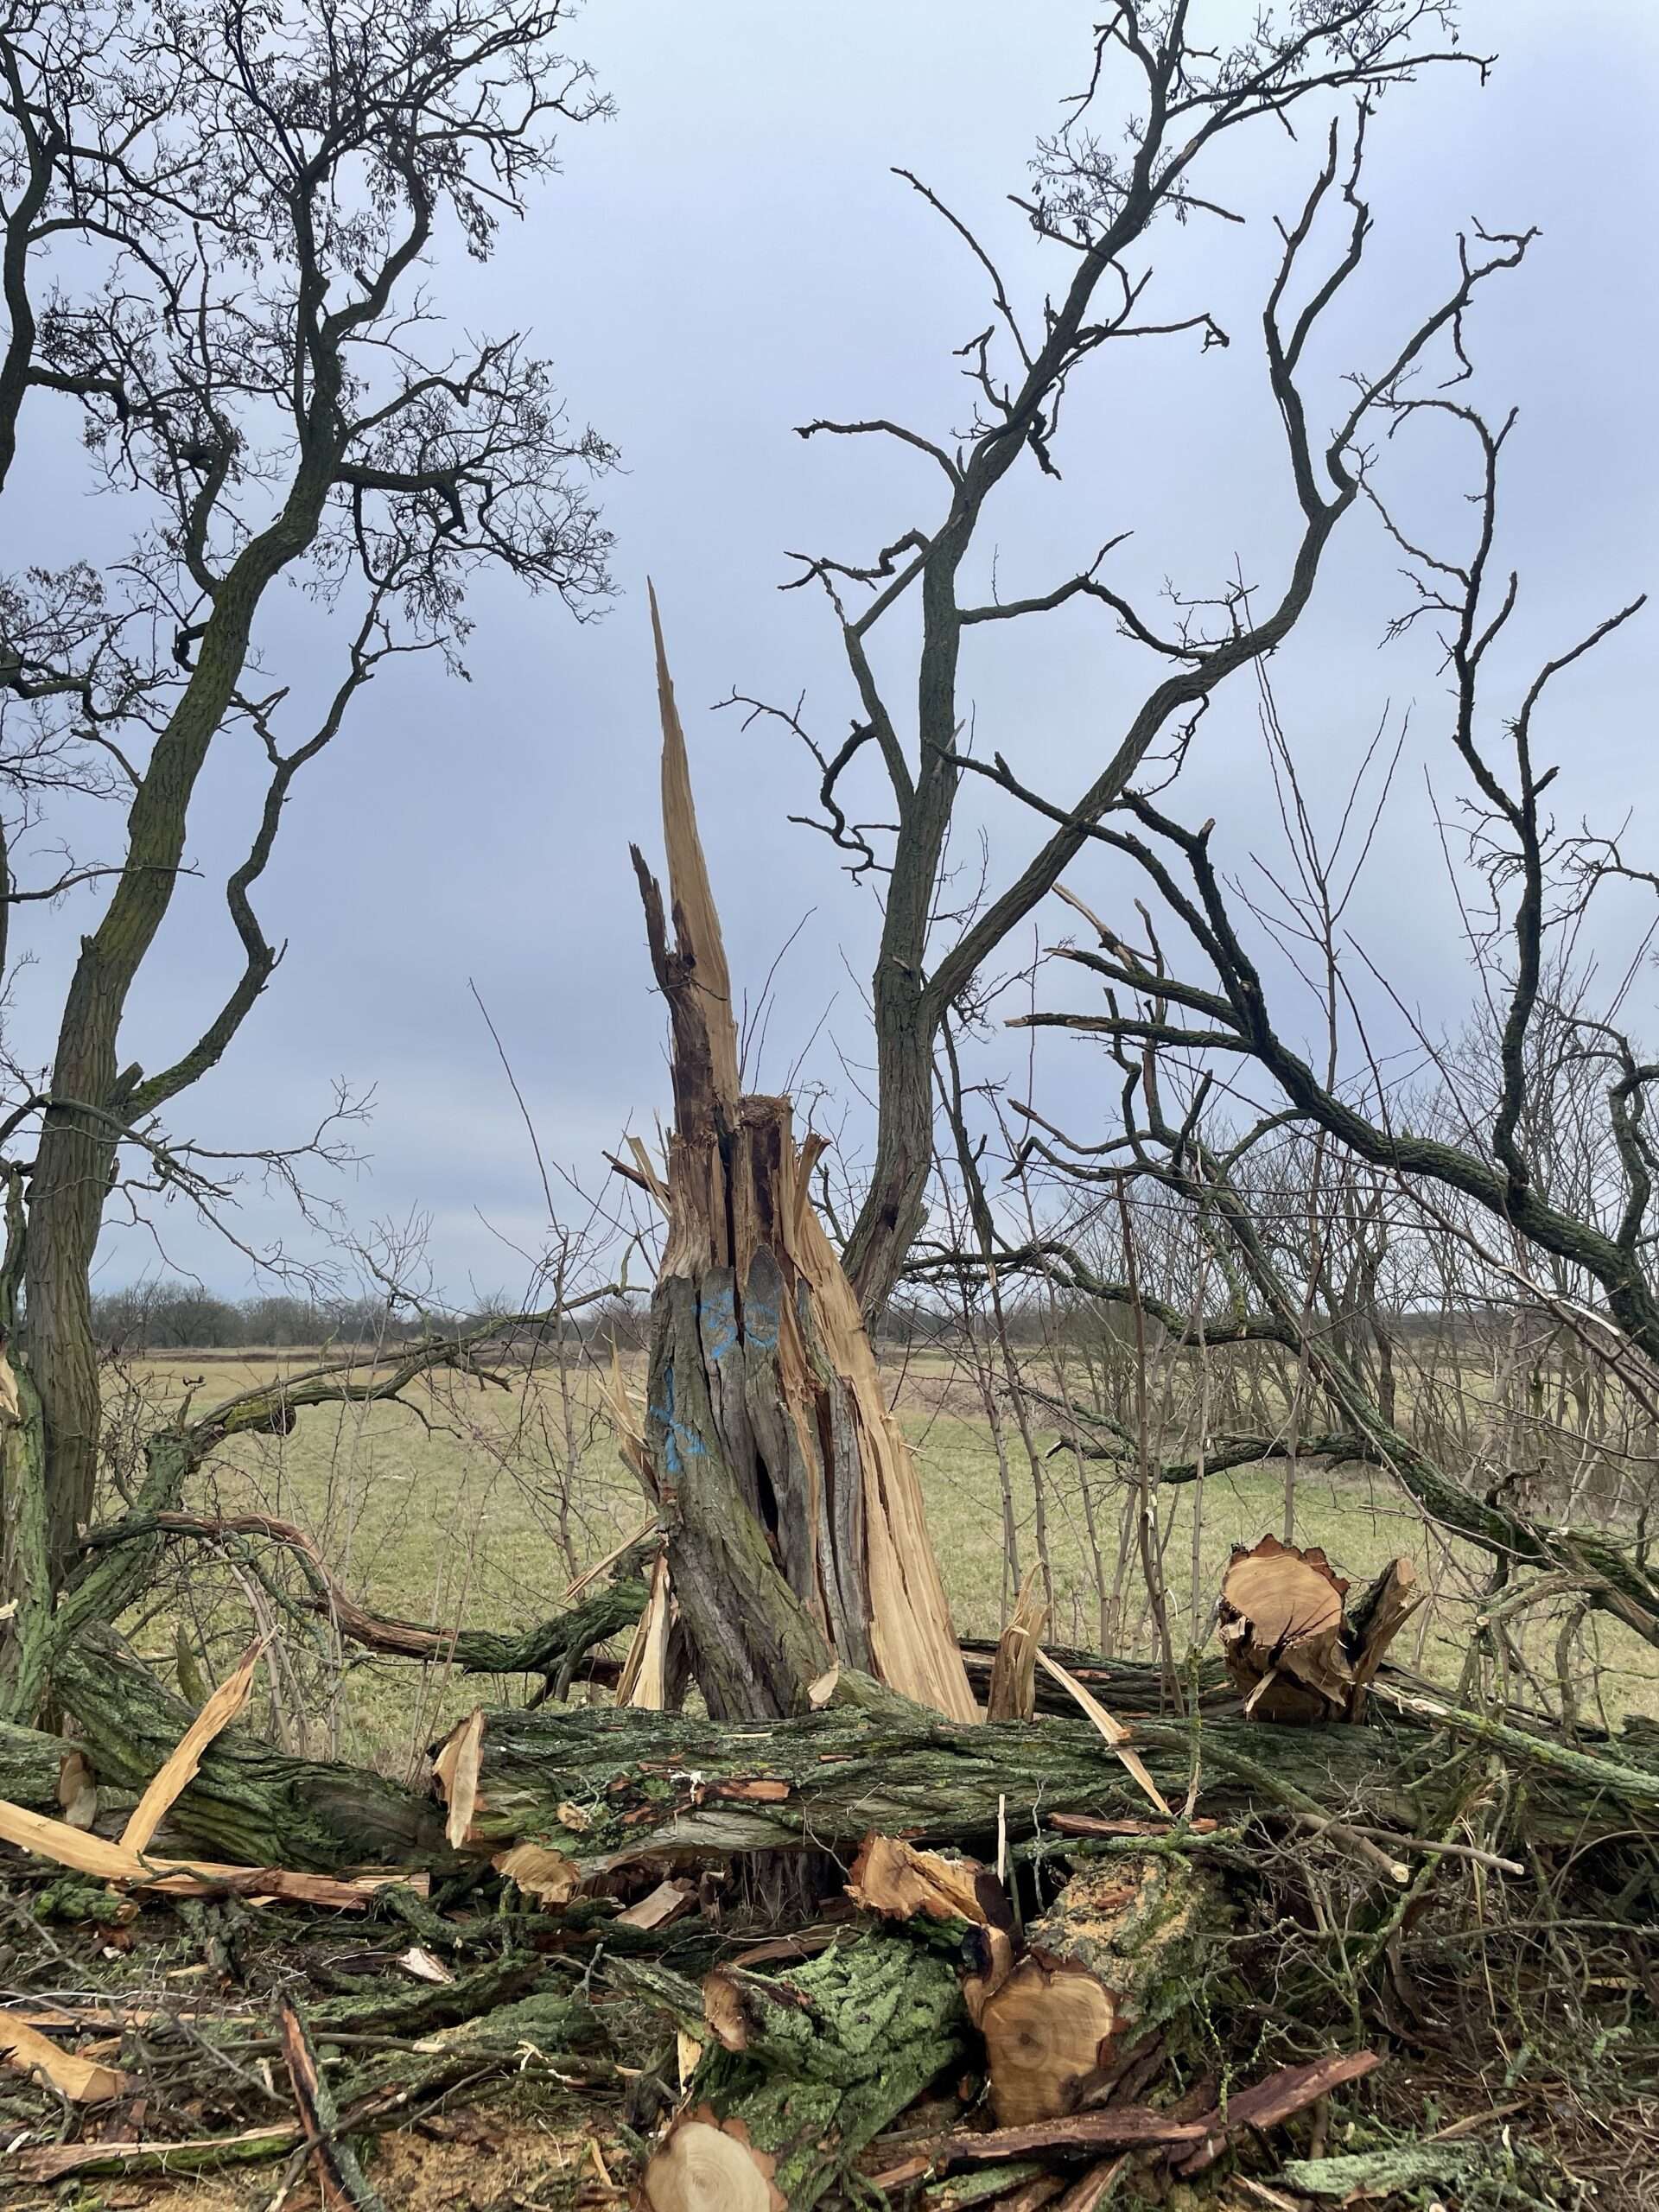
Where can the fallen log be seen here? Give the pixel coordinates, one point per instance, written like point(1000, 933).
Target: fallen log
point(30, 1764)
point(606, 1787)
point(653, 1785)
point(804, 2068)
point(1106, 1969)
point(249, 1802)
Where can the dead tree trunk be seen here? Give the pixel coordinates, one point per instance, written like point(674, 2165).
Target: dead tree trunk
point(796, 1532)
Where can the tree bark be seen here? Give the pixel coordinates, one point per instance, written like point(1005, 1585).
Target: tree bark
point(90, 1101)
point(802, 2068)
point(31, 1763)
point(249, 1804)
point(662, 1783)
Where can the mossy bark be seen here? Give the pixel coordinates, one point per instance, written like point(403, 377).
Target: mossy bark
point(249, 1804)
point(833, 2051)
point(30, 1765)
point(655, 1782)
point(1113, 1965)
point(26, 1639)
point(652, 1782)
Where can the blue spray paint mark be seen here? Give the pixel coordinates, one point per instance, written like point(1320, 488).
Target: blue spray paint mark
point(679, 1442)
point(761, 1323)
point(717, 1317)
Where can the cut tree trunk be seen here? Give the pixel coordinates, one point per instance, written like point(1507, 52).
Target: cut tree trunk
point(1291, 1647)
point(802, 2069)
point(796, 1533)
point(1106, 1970)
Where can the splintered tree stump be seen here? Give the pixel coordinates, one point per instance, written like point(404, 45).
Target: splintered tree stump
point(1292, 1648)
point(1107, 1969)
point(802, 2069)
point(796, 1538)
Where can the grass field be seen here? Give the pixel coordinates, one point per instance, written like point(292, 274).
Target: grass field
point(473, 1507)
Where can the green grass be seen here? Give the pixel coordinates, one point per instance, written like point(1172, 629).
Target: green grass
point(452, 1515)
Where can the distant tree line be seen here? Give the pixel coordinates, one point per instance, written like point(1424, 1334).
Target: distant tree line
point(171, 1316)
point(165, 1316)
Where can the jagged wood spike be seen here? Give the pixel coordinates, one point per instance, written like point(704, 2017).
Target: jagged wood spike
point(914, 1642)
point(696, 923)
point(1014, 1670)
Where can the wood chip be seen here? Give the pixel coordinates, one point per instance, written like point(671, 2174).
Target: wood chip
point(77, 1791)
point(547, 1876)
point(1112, 1730)
point(83, 2080)
point(185, 1760)
point(421, 1964)
point(456, 1770)
point(666, 1903)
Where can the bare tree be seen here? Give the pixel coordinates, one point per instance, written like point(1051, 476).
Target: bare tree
point(1188, 85)
point(219, 221)
point(1562, 1229)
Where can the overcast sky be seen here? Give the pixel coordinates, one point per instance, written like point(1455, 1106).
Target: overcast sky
point(730, 256)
